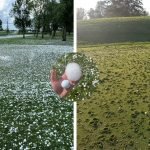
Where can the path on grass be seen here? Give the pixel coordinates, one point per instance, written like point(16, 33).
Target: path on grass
point(52, 48)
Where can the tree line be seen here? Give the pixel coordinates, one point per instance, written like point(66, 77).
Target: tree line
point(43, 16)
point(113, 8)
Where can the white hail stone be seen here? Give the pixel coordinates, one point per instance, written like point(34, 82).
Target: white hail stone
point(73, 71)
point(65, 84)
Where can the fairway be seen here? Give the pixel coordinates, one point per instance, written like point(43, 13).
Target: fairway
point(117, 116)
point(31, 115)
point(114, 30)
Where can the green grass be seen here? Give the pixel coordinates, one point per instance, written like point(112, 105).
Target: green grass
point(117, 116)
point(112, 30)
point(31, 40)
point(2, 33)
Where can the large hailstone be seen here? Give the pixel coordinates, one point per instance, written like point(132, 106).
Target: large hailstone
point(73, 71)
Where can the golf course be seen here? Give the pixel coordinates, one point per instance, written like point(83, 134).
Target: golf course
point(117, 115)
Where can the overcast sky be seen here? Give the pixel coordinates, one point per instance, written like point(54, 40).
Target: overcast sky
point(5, 7)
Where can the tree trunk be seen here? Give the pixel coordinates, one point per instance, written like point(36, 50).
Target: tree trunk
point(37, 33)
point(34, 33)
point(50, 31)
point(43, 33)
point(64, 34)
point(54, 34)
point(23, 34)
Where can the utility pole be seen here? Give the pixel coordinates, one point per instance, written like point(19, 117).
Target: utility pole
point(7, 27)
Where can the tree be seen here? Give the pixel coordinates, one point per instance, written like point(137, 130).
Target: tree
point(37, 24)
point(1, 28)
point(54, 28)
point(115, 8)
point(100, 10)
point(65, 16)
point(54, 19)
point(124, 8)
point(136, 7)
point(91, 13)
point(37, 7)
point(80, 13)
point(46, 18)
point(21, 13)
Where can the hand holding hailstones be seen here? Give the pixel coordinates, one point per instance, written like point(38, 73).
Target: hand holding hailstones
point(67, 81)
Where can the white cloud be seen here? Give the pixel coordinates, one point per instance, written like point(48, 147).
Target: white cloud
point(146, 5)
point(2, 3)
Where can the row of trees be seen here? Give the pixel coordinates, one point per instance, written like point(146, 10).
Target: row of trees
point(45, 16)
point(114, 8)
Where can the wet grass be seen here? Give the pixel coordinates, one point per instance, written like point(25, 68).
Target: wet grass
point(112, 30)
point(32, 40)
point(2, 33)
point(117, 116)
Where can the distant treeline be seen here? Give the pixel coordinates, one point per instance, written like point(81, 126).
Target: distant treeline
point(43, 16)
point(113, 8)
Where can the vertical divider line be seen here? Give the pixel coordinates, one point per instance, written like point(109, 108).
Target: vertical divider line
point(75, 103)
point(75, 125)
point(75, 27)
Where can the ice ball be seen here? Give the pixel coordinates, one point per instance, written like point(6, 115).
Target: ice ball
point(73, 71)
point(65, 84)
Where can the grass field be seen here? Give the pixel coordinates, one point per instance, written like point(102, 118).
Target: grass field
point(112, 30)
point(117, 116)
point(4, 33)
point(31, 40)
point(31, 115)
